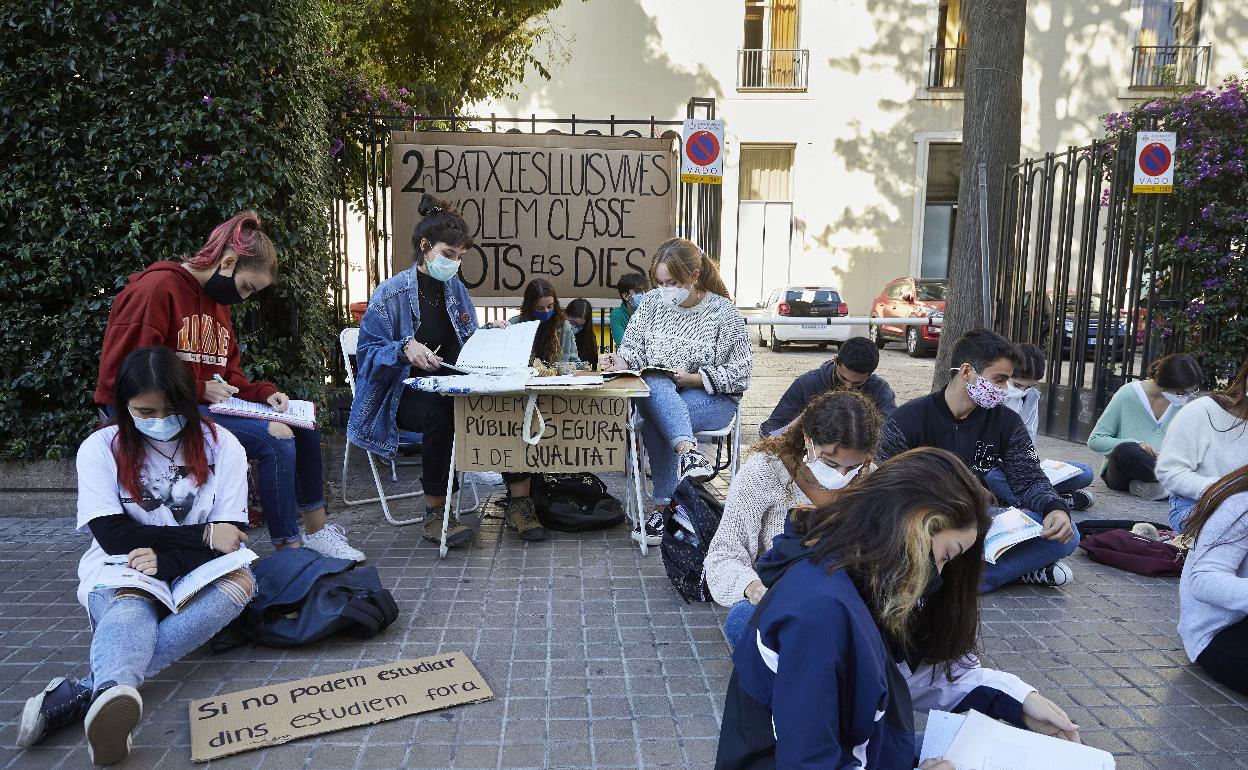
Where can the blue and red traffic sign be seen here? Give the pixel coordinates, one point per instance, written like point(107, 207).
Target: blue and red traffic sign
point(702, 148)
point(1155, 159)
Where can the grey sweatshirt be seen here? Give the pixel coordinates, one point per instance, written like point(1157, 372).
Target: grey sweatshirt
point(1213, 592)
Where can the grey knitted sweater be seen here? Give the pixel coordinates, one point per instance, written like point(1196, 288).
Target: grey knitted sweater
point(709, 337)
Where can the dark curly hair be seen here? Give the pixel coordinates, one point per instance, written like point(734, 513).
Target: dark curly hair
point(441, 223)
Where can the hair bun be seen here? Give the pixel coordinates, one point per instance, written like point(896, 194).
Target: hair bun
point(430, 205)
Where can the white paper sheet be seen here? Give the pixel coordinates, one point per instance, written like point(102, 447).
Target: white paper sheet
point(942, 728)
point(498, 350)
point(986, 744)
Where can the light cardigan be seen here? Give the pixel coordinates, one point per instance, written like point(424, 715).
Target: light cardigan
point(1127, 419)
point(709, 337)
point(1203, 444)
point(758, 500)
point(1213, 592)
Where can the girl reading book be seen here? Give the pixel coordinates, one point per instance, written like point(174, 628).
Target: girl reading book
point(687, 324)
point(555, 341)
point(871, 612)
point(415, 321)
point(166, 489)
point(186, 306)
point(829, 445)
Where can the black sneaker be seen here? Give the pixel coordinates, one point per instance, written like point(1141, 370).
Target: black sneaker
point(1056, 574)
point(63, 702)
point(113, 715)
point(1080, 500)
point(457, 533)
point(695, 466)
point(651, 530)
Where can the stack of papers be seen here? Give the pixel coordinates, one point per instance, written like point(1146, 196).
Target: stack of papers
point(973, 740)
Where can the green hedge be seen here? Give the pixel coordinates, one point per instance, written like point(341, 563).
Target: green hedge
point(128, 131)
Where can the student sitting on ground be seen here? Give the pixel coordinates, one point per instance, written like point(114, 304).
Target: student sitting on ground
point(415, 321)
point(1133, 426)
point(631, 287)
point(1206, 440)
point(1024, 399)
point(555, 341)
point(581, 318)
point(186, 306)
point(871, 613)
point(156, 442)
point(962, 418)
point(1213, 592)
point(852, 368)
point(688, 325)
point(833, 438)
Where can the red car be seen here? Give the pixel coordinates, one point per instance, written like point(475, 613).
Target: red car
point(910, 298)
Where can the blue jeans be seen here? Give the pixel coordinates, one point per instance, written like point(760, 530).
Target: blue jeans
point(672, 415)
point(1025, 557)
point(996, 483)
point(289, 476)
point(132, 643)
point(1180, 508)
point(738, 622)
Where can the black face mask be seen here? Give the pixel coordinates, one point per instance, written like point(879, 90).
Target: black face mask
point(934, 582)
point(222, 290)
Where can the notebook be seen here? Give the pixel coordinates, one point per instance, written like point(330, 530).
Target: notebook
point(301, 414)
point(497, 351)
point(115, 573)
point(1009, 528)
point(1058, 471)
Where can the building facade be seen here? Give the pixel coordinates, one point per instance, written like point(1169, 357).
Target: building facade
point(843, 117)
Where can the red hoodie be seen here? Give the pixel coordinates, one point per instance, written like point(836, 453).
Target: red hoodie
point(165, 305)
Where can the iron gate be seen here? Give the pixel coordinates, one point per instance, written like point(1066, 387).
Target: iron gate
point(1077, 274)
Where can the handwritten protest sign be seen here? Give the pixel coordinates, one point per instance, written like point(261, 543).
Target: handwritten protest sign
point(583, 433)
point(580, 211)
point(266, 716)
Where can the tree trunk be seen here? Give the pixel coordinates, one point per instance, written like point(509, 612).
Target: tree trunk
point(991, 133)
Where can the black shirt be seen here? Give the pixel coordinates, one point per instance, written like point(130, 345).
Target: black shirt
point(435, 330)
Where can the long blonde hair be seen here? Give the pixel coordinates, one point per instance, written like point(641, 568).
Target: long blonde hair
point(683, 258)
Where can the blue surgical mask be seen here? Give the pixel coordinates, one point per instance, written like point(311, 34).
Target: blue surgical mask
point(160, 428)
point(576, 328)
point(544, 315)
point(442, 268)
point(634, 301)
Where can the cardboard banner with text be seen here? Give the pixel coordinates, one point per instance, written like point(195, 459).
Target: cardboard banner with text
point(266, 716)
point(583, 433)
point(580, 211)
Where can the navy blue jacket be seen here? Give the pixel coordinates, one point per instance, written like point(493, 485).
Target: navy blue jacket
point(815, 383)
point(815, 684)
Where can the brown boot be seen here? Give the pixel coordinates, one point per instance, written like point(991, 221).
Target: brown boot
point(522, 517)
point(457, 533)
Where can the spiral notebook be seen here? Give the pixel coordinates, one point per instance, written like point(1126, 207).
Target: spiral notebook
point(497, 351)
point(301, 414)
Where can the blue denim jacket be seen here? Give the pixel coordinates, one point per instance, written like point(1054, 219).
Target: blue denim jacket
point(393, 315)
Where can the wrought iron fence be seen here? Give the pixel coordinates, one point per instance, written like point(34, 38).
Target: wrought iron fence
point(946, 68)
point(1160, 66)
point(773, 69)
point(1077, 274)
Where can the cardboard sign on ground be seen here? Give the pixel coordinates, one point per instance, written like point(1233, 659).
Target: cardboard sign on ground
point(580, 211)
point(266, 716)
point(583, 433)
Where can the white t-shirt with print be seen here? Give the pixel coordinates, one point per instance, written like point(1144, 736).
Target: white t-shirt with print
point(169, 497)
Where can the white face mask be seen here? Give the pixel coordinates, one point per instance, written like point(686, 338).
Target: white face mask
point(1178, 399)
point(674, 295)
point(1013, 391)
point(827, 476)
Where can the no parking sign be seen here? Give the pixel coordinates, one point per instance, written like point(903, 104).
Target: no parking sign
point(1154, 162)
point(702, 152)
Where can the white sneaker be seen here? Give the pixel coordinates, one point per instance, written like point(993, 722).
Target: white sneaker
point(110, 723)
point(1056, 574)
point(1149, 490)
point(331, 541)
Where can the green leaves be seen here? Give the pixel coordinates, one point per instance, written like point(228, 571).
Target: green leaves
point(112, 160)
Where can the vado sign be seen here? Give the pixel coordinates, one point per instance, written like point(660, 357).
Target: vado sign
point(702, 152)
point(580, 211)
point(266, 716)
point(1154, 162)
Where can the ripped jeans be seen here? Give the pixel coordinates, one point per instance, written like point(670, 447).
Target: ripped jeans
point(132, 642)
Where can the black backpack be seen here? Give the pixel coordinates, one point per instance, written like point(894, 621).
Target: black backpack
point(687, 537)
point(574, 502)
point(302, 597)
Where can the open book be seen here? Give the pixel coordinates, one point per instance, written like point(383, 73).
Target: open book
point(1009, 528)
point(301, 414)
point(116, 574)
point(498, 351)
point(639, 372)
point(975, 740)
point(1058, 471)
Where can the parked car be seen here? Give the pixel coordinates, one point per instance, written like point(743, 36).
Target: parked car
point(910, 298)
point(1115, 338)
point(814, 302)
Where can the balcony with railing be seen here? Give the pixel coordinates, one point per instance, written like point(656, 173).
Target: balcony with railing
point(772, 69)
point(1166, 66)
point(946, 69)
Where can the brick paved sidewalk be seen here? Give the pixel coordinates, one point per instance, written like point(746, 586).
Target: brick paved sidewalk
point(595, 661)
